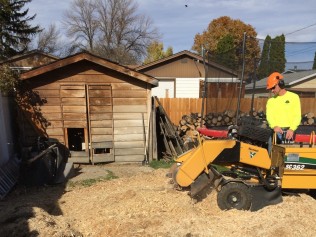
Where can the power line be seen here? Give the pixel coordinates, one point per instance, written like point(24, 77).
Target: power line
point(299, 62)
point(301, 29)
point(287, 42)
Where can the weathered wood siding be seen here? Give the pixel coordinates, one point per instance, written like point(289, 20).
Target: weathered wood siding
point(111, 108)
point(100, 115)
point(130, 109)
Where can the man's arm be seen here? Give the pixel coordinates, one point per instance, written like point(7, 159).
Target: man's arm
point(296, 117)
point(270, 114)
point(297, 114)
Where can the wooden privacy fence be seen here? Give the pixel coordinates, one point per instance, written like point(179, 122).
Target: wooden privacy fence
point(177, 107)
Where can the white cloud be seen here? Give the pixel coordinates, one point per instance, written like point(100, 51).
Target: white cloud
point(179, 24)
point(48, 11)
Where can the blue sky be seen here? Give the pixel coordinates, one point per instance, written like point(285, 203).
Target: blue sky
point(179, 24)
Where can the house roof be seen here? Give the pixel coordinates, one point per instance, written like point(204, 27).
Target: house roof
point(291, 78)
point(180, 54)
point(28, 54)
point(85, 56)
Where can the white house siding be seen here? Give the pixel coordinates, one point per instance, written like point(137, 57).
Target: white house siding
point(307, 84)
point(183, 87)
point(188, 87)
point(165, 88)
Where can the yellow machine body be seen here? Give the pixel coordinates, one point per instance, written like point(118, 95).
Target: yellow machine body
point(299, 167)
point(296, 165)
point(197, 160)
point(246, 176)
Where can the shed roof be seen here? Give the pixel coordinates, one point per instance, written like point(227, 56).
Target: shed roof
point(181, 54)
point(85, 56)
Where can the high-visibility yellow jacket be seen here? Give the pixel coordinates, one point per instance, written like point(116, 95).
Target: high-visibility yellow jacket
point(284, 111)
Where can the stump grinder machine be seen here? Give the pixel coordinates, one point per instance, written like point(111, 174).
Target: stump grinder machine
point(244, 164)
point(246, 173)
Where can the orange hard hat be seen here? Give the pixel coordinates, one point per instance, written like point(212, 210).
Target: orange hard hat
point(274, 79)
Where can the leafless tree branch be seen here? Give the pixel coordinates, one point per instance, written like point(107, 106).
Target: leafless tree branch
point(81, 23)
point(111, 29)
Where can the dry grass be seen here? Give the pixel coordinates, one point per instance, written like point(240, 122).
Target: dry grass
point(143, 204)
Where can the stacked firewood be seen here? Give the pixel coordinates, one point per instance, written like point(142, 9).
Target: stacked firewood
point(220, 119)
point(189, 124)
point(308, 119)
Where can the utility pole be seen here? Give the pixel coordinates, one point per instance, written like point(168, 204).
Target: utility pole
point(242, 75)
point(204, 97)
point(254, 85)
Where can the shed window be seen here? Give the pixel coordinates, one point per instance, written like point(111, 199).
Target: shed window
point(102, 150)
point(76, 140)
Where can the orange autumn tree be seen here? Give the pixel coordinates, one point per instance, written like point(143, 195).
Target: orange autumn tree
point(223, 39)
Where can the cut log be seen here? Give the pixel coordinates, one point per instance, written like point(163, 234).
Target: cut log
point(183, 122)
point(214, 120)
point(227, 120)
point(231, 114)
point(309, 115)
point(310, 121)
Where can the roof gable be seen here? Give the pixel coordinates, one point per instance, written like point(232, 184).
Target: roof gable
point(290, 78)
point(184, 53)
point(91, 58)
point(30, 59)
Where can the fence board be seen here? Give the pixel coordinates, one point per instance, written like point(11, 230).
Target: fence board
point(177, 107)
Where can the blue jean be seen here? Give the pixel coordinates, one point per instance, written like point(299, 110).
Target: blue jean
point(280, 139)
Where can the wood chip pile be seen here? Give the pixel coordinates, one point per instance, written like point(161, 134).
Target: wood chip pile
point(145, 205)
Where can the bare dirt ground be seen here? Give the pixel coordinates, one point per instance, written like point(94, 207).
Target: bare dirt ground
point(141, 202)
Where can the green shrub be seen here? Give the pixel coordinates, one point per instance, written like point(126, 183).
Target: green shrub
point(9, 80)
point(156, 164)
point(90, 182)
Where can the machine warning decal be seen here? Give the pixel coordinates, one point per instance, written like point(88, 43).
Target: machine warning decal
point(252, 154)
point(293, 157)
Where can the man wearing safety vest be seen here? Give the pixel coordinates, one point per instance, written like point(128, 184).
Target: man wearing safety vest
point(283, 110)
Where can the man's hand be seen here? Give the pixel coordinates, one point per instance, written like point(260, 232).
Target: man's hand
point(289, 134)
point(278, 130)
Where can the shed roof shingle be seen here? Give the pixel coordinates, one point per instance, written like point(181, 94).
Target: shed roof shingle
point(91, 58)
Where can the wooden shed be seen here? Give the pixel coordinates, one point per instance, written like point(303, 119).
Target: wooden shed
point(98, 109)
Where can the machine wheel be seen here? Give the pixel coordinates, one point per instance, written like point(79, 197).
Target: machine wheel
point(234, 196)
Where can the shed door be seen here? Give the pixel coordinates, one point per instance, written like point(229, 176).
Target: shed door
point(100, 114)
point(74, 115)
